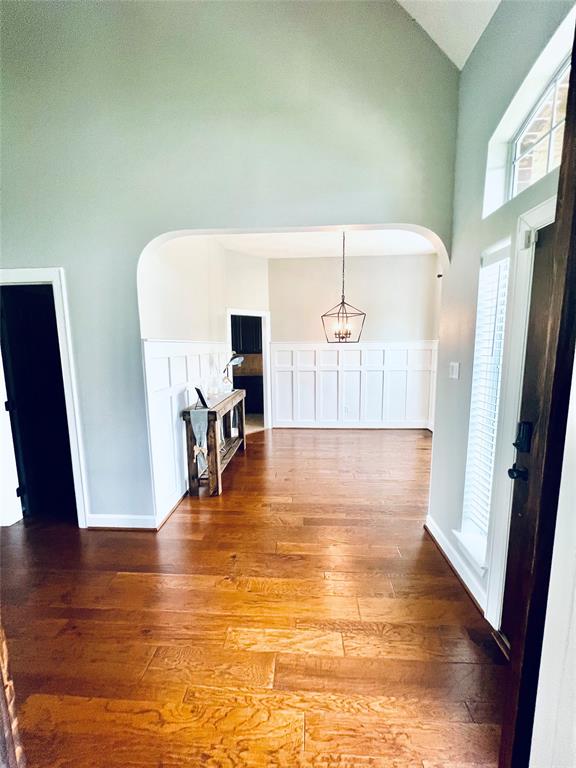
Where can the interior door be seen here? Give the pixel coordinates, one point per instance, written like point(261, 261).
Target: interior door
point(523, 523)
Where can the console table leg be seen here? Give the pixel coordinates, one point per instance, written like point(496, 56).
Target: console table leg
point(241, 424)
point(193, 481)
point(214, 464)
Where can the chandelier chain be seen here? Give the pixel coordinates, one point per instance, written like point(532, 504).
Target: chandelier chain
point(343, 323)
point(343, 260)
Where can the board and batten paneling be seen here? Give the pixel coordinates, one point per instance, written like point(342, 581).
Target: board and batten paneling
point(171, 371)
point(366, 385)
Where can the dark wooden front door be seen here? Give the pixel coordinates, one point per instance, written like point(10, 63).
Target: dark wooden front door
point(547, 387)
point(524, 518)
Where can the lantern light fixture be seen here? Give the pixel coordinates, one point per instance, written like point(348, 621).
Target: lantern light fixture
point(343, 323)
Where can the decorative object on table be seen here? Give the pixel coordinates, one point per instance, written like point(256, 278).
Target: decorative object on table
point(201, 398)
point(199, 426)
point(234, 360)
point(343, 323)
point(209, 436)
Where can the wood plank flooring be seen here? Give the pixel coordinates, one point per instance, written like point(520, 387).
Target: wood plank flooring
point(303, 619)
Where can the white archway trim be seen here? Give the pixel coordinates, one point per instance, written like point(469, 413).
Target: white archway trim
point(55, 277)
point(437, 245)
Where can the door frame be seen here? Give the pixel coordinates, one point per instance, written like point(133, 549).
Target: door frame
point(510, 401)
point(10, 504)
point(264, 314)
point(55, 277)
point(547, 460)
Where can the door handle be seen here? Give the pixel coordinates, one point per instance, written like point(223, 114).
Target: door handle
point(523, 440)
point(517, 473)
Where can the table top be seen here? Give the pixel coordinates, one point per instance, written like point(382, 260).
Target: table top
point(219, 404)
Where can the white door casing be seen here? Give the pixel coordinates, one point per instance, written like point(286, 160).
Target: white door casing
point(266, 367)
point(10, 505)
point(55, 277)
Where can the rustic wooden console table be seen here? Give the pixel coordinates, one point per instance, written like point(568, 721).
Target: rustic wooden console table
point(219, 451)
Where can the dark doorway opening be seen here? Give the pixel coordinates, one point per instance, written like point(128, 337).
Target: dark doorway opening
point(36, 402)
point(247, 341)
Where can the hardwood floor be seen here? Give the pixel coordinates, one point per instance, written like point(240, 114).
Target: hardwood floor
point(304, 618)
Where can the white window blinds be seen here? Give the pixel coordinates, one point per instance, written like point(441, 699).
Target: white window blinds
point(488, 348)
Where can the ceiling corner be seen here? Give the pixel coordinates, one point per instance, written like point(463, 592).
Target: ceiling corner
point(454, 25)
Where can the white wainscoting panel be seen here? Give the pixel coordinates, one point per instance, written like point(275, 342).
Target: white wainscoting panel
point(171, 371)
point(368, 385)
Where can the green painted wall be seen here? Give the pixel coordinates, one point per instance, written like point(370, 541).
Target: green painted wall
point(515, 37)
point(126, 120)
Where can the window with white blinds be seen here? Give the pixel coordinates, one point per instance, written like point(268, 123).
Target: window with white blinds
point(488, 348)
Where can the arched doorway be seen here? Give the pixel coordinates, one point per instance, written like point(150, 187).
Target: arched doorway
point(190, 282)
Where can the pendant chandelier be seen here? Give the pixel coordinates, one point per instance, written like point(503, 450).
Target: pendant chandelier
point(343, 323)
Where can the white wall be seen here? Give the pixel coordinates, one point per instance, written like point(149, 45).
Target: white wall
point(186, 285)
point(400, 295)
point(554, 737)
point(180, 291)
point(246, 282)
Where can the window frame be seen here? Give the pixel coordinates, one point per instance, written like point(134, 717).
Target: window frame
point(513, 158)
point(474, 542)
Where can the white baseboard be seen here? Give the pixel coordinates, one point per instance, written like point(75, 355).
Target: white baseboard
point(146, 522)
point(458, 562)
point(11, 519)
point(160, 521)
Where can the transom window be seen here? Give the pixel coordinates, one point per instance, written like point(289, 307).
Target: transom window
point(537, 147)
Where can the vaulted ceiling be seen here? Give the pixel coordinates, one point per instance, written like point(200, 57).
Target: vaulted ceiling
point(454, 25)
